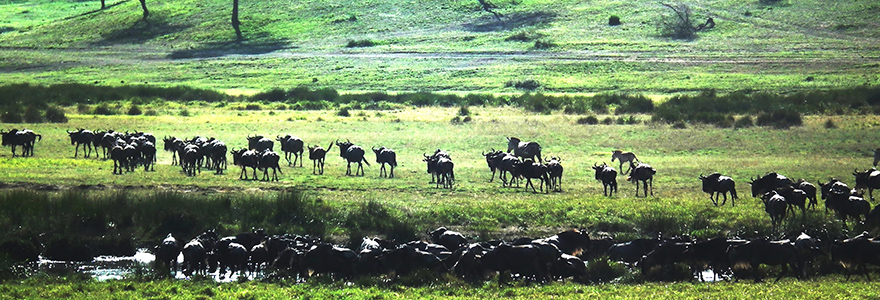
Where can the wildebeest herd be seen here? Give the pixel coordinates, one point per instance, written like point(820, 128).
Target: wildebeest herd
point(563, 256)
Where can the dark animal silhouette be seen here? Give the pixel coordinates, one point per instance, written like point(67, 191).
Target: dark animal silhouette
point(776, 206)
point(82, 137)
point(245, 158)
point(317, 154)
point(756, 252)
point(608, 176)
point(530, 169)
point(554, 171)
point(291, 145)
point(167, 252)
point(385, 156)
point(768, 182)
point(810, 190)
point(25, 138)
point(269, 160)
point(717, 183)
point(352, 154)
point(260, 143)
point(868, 179)
point(452, 240)
point(644, 173)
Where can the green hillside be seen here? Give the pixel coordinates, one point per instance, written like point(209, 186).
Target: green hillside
point(566, 45)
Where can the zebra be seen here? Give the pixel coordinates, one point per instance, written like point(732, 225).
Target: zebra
point(624, 157)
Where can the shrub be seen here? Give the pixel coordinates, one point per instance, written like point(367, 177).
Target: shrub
point(464, 110)
point(528, 84)
point(744, 122)
point(780, 119)
point(82, 108)
point(829, 124)
point(32, 115)
point(360, 43)
point(679, 125)
point(678, 24)
point(184, 113)
point(614, 21)
point(608, 121)
point(588, 120)
point(103, 109)
point(540, 44)
point(55, 114)
point(253, 106)
point(11, 117)
point(343, 112)
point(134, 110)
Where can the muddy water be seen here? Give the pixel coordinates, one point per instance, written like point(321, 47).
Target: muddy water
point(104, 268)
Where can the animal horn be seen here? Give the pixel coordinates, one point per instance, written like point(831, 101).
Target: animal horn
point(483, 152)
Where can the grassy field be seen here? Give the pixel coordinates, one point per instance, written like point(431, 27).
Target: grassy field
point(448, 46)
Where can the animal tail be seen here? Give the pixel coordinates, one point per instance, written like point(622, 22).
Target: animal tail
point(733, 194)
point(40, 137)
point(331, 146)
point(365, 161)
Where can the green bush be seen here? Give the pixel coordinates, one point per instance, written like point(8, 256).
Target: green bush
point(588, 120)
point(33, 115)
point(360, 43)
point(744, 122)
point(55, 114)
point(134, 110)
point(343, 112)
point(103, 109)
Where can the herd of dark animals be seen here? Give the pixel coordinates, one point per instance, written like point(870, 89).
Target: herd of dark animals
point(563, 256)
point(779, 194)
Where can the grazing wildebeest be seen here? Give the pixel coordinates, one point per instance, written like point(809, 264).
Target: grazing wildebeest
point(167, 252)
point(260, 143)
point(269, 160)
point(385, 156)
point(317, 154)
point(810, 190)
point(245, 158)
point(524, 149)
point(452, 240)
point(775, 206)
point(756, 252)
point(794, 198)
point(768, 182)
point(554, 171)
point(717, 183)
point(24, 138)
point(624, 157)
point(82, 137)
point(869, 179)
point(291, 144)
point(608, 176)
point(493, 159)
point(352, 154)
point(644, 173)
point(530, 169)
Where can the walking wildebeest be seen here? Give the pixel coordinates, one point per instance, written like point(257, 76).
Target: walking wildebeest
point(291, 144)
point(317, 154)
point(385, 156)
point(717, 183)
point(554, 171)
point(775, 206)
point(82, 137)
point(530, 169)
point(644, 173)
point(174, 145)
point(794, 198)
point(352, 154)
point(260, 143)
point(768, 182)
point(869, 179)
point(608, 176)
point(757, 252)
point(810, 190)
point(441, 167)
point(624, 157)
point(858, 252)
point(493, 159)
point(167, 252)
point(245, 158)
point(524, 149)
point(24, 138)
point(269, 160)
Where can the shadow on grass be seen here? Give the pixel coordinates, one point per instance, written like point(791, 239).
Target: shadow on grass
point(218, 49)
point(140, 31)
point(511, 21)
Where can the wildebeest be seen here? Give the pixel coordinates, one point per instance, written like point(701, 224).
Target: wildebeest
point(407, 259)
point(845, 202)
point(868, 179)
point(195, 253)
point(441, 167)
point(525, 260)
point(554, 171)
point(217, 153)
point(385, 156)
point(291, 145)
point(524, 149)
point(632, 251)
point(245, 158)
point(571, 241)
point(82, 137)
point(269, 160)
point(710, 253)
point(317, 154)
point(493, 159)
point(325, 258)
point(452, 240)
point(768, 182)
point(775, 206)
point(756, 252)
point(608, 176)
point(833, 192)
point(530, 169)
point(856, 252)
point(664, 256)
point(120, 163)
point(25, 138)
point(644, 173)
point(624, 157)
point(229, 254)
point(260, 143)
point(174, 145)
point(352, 154)
point(717, 183)
point(794, 198)
point(190, 160)
point(810, 190)
point(167, 252)
point(876, 156)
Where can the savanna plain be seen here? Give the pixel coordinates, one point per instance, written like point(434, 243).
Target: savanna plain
point(370, 51)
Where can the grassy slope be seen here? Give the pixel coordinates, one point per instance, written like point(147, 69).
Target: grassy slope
point(765, 47)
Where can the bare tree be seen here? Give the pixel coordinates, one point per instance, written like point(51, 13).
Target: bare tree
point(486, 6)
point(144, 6)
point(680, 25)
point(235, 22)
point(103, 5)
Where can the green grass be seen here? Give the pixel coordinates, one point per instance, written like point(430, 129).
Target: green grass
point(448, 46)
